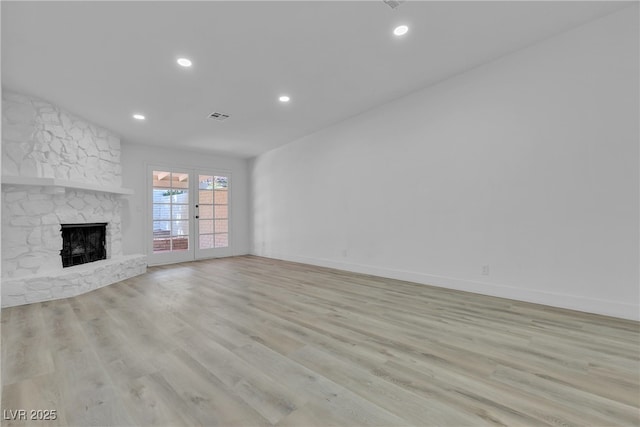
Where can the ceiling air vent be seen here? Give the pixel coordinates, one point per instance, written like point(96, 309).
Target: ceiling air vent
point(218, 116)
point(393, 3)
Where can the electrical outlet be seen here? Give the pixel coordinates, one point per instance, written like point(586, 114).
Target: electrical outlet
point(485, 270)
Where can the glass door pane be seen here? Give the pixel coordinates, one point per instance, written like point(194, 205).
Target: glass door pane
point(170, 205)
point(213, 215)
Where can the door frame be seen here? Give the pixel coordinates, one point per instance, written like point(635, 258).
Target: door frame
point(190, 254)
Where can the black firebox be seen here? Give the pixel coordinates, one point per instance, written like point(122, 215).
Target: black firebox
point(83, 243)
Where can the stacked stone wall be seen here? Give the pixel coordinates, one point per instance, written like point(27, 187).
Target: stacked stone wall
point(40, 139)
point(31, 219)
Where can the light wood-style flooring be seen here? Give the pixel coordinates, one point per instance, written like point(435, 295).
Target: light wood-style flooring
point(252, 341)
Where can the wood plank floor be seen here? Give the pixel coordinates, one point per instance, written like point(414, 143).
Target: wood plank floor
point(252, 341)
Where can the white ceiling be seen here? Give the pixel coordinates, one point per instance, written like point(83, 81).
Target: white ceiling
point(106, 60)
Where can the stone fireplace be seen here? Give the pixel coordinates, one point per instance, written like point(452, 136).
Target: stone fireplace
point(58, 170)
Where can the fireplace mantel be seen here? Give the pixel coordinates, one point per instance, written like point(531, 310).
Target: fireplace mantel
point(63, 184)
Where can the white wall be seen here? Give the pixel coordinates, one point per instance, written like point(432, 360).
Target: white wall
point(135, 159)
point(528, 164)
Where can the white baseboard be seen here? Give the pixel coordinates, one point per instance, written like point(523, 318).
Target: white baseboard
point(572, 302)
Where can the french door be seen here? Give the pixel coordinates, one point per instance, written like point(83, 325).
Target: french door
point(189, 215)
point(212, 216)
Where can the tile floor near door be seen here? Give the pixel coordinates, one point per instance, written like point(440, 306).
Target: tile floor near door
point(251, 341)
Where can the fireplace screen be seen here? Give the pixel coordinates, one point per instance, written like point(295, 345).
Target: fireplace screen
point(83, 243)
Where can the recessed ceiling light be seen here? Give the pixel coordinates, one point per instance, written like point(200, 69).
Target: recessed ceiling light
point(401, 30)
point(184, 62)
point(138, 117)
point(284, 98)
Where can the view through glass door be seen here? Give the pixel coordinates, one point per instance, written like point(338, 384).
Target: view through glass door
point(171, 235)
point(190, 215)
